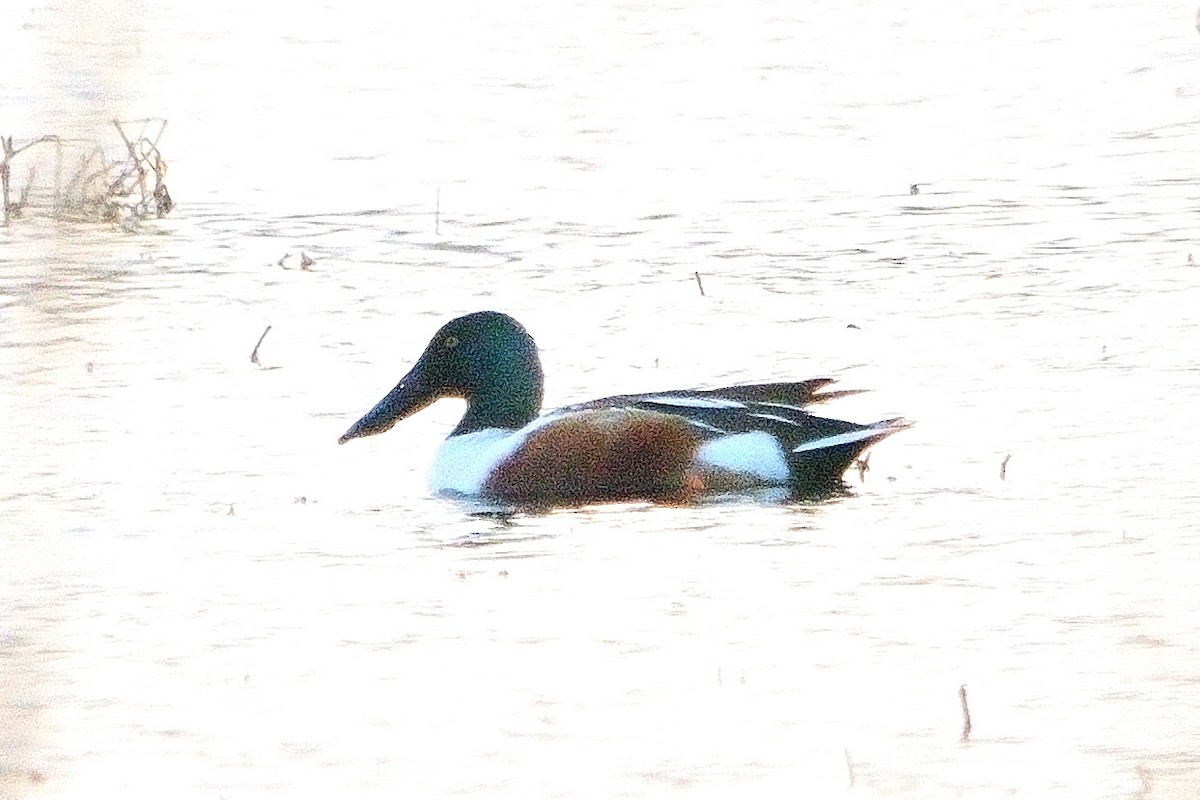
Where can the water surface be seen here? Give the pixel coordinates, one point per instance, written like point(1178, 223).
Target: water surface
point(204, 596)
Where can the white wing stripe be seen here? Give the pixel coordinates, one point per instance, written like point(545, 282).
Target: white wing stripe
point(788, 406)
point(691, 402)
point(838, 439)
point(774, 418)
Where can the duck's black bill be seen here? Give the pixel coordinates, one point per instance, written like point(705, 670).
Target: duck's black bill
point(410, 396)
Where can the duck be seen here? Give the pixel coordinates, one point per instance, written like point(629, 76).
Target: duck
point(672, 446)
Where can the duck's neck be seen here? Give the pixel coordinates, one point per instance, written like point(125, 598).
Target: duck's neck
point(510, 402)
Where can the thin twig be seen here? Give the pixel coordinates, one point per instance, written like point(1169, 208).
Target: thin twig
point(4, 170)
point(254, 355)
point(128, 144)
point(1143, 773)
point(24, 198)
point(58, 164)
point(161, 129)
point(10, 151)
point(962, 699)
point(864, 466)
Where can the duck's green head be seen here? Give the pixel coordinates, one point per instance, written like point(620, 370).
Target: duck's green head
point(486, 358)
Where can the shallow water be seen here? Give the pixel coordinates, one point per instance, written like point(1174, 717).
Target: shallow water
point(203, 595)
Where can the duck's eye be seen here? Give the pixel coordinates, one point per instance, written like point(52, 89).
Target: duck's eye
point(450, 342)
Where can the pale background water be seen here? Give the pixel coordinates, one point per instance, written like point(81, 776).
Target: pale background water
point(203, 596)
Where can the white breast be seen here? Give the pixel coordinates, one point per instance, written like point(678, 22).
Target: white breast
point(462, 464)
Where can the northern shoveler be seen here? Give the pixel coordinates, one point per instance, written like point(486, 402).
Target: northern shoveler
point(664, 445)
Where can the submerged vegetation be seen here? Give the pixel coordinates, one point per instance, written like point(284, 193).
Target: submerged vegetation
point(86, 183)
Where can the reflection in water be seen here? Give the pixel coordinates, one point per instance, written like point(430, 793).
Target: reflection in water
point(577, 169)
